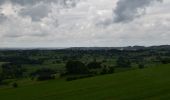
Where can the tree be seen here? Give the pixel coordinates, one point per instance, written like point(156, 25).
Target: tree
point(11, 70)
point(165, 60)
point(15, 85)
point(123, 62)
point(1, 78)
point(94, 65)
point(104, 70)
point(141, 66)
point(107, 70)
point(76, 67)
point(111, 70)
point(44, 74)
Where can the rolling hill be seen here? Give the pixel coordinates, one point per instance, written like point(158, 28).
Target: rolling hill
point(143, 84)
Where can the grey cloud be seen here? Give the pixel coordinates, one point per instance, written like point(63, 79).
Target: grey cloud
point(22, 2)
point(66, 3)
point(12, 35)
point(18, 35)
point(39, 34)
point(36, 12)
point(2, 18)
point(104, 23)
point(2, 1)
point(40, 10)
point(128, 10)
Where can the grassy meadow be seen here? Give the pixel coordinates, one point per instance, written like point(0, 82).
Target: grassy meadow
point(142, 84)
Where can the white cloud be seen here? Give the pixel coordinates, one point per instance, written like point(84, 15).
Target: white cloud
point(47, 23)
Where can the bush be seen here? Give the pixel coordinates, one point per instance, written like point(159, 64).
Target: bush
point(123, 62)
point(76, 67)
point(15, 85)
point(165, 60)
point(111, 70)
point(141, 66)
point(44, 74)
point(94, 65)
point(1, 78)
point(12, 70)
point(107, 70)
point(104, 70)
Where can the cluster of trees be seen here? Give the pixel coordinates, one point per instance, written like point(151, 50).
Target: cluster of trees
point(74, 67)
point(21, 60)
point(15, 71)
point(11, 71)
point(165, 60)
point(74, 70)
point(123, 62)
point(1, 78)
point(78, 67)
point(43, 74)
point(107, 70)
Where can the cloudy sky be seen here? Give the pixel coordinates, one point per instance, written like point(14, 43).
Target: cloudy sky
point(72, 23)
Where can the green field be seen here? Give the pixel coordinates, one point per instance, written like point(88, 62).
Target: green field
point(143, 84)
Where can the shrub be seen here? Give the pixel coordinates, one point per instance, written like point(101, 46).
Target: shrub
point(76, 67)
point(123, 62)
point(165, 60)
point(1, 78)
point(104, 70)
point(94, 65)
point(141, 66)
point(15, 85)
point(111, 70)
point(12, 70)
point(44, 74)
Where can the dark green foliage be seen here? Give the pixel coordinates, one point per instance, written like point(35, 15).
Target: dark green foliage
point(141, 66)
point(107, 70)
point(15, 85)
point(1, 78)
point(111, 70)
point(123, 62)
point(11, 70)
point(94, 65)
point(104, 70)
point(76, 67)
point(123, 59)
point(21, 60)
point(44, 74)
point(165, 60)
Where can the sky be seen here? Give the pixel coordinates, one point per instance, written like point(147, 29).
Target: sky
point(84, 23)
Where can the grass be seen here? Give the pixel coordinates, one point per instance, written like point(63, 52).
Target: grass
point(145, 84)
